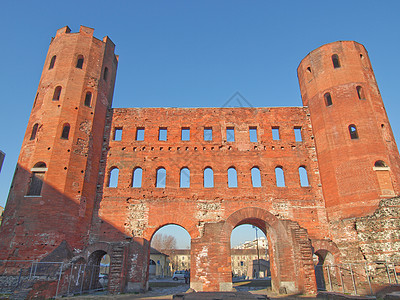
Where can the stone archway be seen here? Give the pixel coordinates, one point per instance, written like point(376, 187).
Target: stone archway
point(290, 253)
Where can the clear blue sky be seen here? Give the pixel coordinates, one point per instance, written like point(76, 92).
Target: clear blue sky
point(193, 53)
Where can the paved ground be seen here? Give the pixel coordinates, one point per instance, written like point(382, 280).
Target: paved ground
point(167, 292)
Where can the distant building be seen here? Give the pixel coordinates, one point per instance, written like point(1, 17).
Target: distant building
point(2, 156)
point(246, 262)
point(179, 259)
point(1, 214)
point(159, 265)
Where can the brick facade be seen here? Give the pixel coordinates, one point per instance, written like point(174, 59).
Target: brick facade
point(76, 143)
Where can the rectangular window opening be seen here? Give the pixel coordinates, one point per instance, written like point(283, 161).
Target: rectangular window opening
point(185, 135)
point(253, 134)
point(275, 133)
point(140, 134)
point(230, 134)
point(208, 133)
point(117, 133)
point(297, 134)
point(162, 134)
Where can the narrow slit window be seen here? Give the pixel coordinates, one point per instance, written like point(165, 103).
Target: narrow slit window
point(280, 177)
point(88, 99)
point(275, 133)
point(37, 178)
point(353, 131)
point(34, 131)
point(65, 132)
point(255, 177)
point(232, 178)
point(360, 93)
point(303, 176)
point(79, 62)
point(105, 74)
point(208, 133)
point(52, 62)
point(118, 133)
point(230, 134)
point(57, 93)
point(253, 134)
point(328, 99)
point(185, 134)
point(208, 178)
point(140, 134)
point(137, 177)
point(297, 134)
point(185, 178)
point(36, 97)
point(162, 134)
point(113, 177)
point(161, 178)
point(335, 61)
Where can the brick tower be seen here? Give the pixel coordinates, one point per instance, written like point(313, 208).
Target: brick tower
point(54, 185)
point(357, 154)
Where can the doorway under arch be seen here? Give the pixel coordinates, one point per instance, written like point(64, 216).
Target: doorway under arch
point(169, 251)
point(290, 250)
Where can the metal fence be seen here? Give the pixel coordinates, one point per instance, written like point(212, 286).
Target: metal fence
point(363, 278)
point(55, 278)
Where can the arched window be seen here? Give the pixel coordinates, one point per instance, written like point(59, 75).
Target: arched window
point(279, 176)
point(65, 131)
point(88, 99)
point(380, 164)
point(105, 75)
point(161, 177)
point(335, 61)
point(353, 131)
point(232, 178)
point(255, 177)
point(57, 93)
point(52, 62)
point(137, 177)
point(184, 178)
point(303, 176)
point(208, 178)
point(37, 178)
point(34, 131)
point(113, 177)
point(328, 99)
point(79, 62)
point(360, 93)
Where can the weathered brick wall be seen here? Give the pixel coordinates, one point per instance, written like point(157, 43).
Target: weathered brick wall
point(34, 226)
point(350, 182)
point(78, 205)
point(141, 211)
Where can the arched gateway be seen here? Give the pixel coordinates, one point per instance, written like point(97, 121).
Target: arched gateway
point(82, 189)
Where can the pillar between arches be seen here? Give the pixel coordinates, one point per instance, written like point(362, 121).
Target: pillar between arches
point(137, 262)
point(211, 261)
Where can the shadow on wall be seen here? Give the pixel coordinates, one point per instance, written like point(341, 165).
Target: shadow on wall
point(52, 227)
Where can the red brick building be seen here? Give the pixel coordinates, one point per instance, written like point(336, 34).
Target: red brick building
point(105, 180)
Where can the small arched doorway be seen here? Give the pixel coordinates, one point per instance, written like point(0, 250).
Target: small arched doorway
point(97, 271)
point(324, 269)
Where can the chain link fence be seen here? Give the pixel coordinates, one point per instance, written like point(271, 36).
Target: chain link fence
point(363, 278)
point(55, 279)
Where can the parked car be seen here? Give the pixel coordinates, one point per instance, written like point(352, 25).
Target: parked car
point(178, 275)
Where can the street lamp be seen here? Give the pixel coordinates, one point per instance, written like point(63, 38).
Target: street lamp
point(258, 253)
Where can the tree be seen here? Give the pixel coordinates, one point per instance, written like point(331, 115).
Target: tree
point(163, 242)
